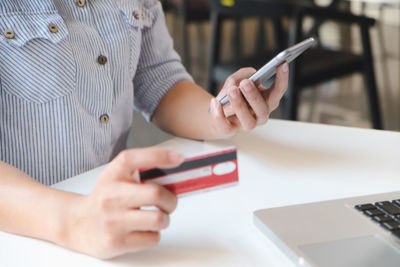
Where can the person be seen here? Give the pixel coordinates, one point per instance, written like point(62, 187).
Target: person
point(71, 73)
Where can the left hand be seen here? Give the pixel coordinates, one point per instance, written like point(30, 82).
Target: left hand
point(247, 117)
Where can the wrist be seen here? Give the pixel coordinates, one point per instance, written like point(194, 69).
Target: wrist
point(64, 221)
point(215, 133)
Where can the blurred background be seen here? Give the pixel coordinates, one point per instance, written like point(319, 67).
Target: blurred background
point(352, 78)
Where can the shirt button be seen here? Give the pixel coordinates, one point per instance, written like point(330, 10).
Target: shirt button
point(104, 118)
point(9, 34)
point(80, 3)
point(136, 15)
point(102, 60)
point(53, 28)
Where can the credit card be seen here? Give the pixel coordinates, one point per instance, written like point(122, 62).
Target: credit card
point(207, 165)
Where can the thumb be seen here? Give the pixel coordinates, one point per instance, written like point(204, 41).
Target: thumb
point(128, 162)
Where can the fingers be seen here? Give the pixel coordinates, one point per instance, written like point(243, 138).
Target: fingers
point(112, 221)
point(242, 112)
point(127, 196)
point(234, 80)
point(145, 220)
point(151, 195)
point(260, 108)
point(123, 167)
point(279, 87)
point(222, 124)
point(137, 241)
point(118, 188)
point(255, 100)
point(135, 220)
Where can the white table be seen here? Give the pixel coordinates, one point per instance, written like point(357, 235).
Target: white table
point(282, 163)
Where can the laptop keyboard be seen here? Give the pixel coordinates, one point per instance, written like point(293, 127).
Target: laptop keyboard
point(386, 213)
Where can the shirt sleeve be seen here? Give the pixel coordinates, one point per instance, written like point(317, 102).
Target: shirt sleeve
point(159, 67)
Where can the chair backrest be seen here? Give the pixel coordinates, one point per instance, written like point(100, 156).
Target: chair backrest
point(191, 4)
point(245, 8)
point(274, 10)
point(190, 10)
point(222, 10)
point(188, 5)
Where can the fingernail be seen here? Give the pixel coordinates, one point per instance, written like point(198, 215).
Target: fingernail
point(233, 92)
point(136, 176)
point(175, 157)
point(285, 67)
point(247, 86)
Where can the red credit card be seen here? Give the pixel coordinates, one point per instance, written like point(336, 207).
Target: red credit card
point(207, 165)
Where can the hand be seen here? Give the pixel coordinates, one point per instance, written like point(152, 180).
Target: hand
point(109, 222)
point(247, 117)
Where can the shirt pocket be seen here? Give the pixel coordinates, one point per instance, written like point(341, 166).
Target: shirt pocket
point(136, 15)
point(36, 60)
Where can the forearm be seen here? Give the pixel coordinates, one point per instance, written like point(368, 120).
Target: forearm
point(184, 112)
point(31, 209)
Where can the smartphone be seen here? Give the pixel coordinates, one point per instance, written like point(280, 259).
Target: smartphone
point(266, 75)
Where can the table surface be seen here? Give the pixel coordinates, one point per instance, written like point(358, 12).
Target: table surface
point(281, 163)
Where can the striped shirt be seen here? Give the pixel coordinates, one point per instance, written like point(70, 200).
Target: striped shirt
point(71, 73)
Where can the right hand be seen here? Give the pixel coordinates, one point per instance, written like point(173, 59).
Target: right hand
point(109, 222)
point(239, 115)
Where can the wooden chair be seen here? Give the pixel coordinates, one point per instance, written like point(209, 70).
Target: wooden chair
point(188, 11)
point(315, 66)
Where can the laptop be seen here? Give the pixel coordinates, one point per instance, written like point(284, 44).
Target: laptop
point(353, 232)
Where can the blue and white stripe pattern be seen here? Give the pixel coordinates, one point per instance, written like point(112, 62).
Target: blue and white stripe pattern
point(53, 91)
